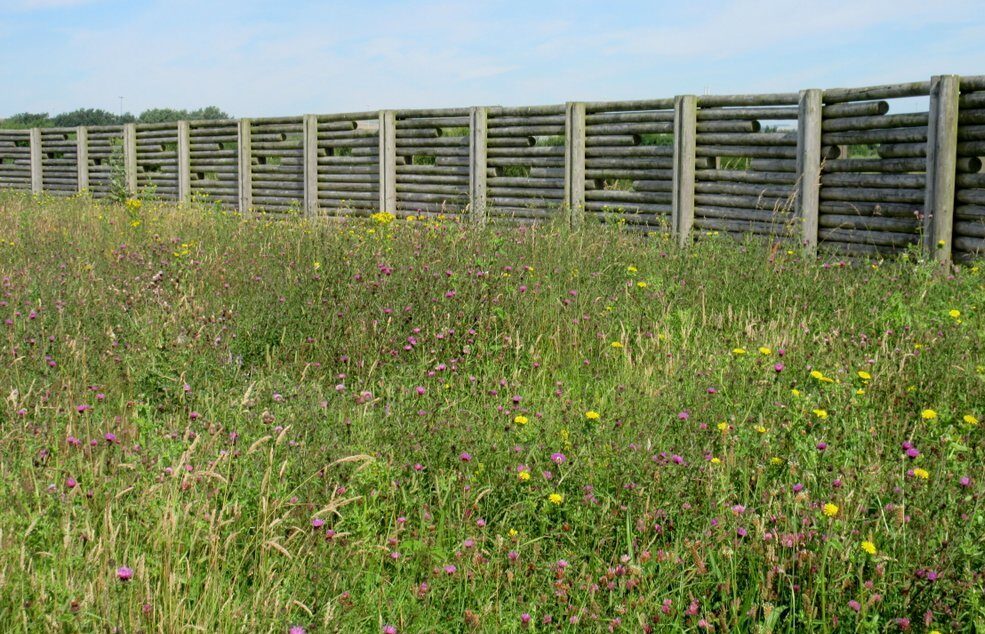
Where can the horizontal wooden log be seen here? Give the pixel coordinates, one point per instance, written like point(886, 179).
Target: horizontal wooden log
point(913, 119)
point(767, 114)
point(629, 163)
point(971, 100)
point(778, 178)
point(864, 194)
point(637, 104)
point(629, 128)
point(970, 229)
point(971, 148)
point(437, 180)
point(860, 208)
point(849, 179)
point(543, 130)
point(612, 140)
point(863, 137)
point(516, 141)
point(869, 223)
point(902, 150)
point(969, 117)
point(666, 185)
point(758, 215)
point(706, 223)
point(631, 151)
point(431, 169)
point(885, 238)
point(970, 212)
point(855, 109)
point(751, 151)
point(526, 192)
point(430, 188)
point(969, 244)
point(773, 99)
point(537, 183)
point(629, 117)
point(525, 111)
point(773, 165)
point(540, 150)
point(744, 189)
point(618, 196)
point(510, 122)
point(599, 206)
point(499, 161)
point(757, 138)
point(886, 91)
point(504, 201)
point(971, 133)
point(746, 202)
point(971, 196)
point(445, 141)
point(875, 165)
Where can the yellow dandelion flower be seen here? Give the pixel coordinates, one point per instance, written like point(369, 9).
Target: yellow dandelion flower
point(820, 413)
point(817, 374)
point(955, 313)
point(631, 269)
point(555, 498)
point(765, 350)
point(513, 532)
point(616, 344)
point(928, 414)
point(316, 265)
point(921, 473)
point(716, 461)
point(521, 420)
point(641, 284)
point(795, 392)
point(865, 376)
point(860, 391)
point(592, 415)
point(723, 426)
point(776, 460)
point(760, 429)
point(830, 510)
point(970, 419)
point(523, 476)
point(738, 351)
point(869, 547)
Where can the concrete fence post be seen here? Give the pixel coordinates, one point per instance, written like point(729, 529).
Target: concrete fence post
point(82, 157)
point(310, 127)
point(942, 157)
point(130, 157)
point(574, 162)
point(388, 161)
point(685, 147)
point(478, 121)
point(809, 166)
point(37, 172)
point(244, 149)
point(184, 163)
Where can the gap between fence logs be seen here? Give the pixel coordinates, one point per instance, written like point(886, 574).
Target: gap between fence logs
point(693, 120)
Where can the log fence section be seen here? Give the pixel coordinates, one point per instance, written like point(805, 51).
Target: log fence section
point(839, 171)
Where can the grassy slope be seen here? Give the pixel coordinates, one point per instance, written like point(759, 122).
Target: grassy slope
point(258, 377)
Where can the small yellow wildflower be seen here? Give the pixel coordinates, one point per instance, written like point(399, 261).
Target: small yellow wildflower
point(641, 284)
point(134, 223)
point(765, 350)
point(716, 461)
point(928, 414)
point(631, 269)
point(830, 510)
point(555, 498)
point(970, 419)
point(521, 420)
point(921, 473)
point(723, 426)
point(316, 265)
point(795, 392)
point(523, 476)
point(860, 391)
point(383, 217)
point(134, 204)
point(616, 344)
point(513, 532)
point(821, 413)
point(776, 460)
point(869, 547)
point(738, 351)
point(955, 313)
point(817, 374)
point(865, 376)
point(760, 429)
point(592, 415)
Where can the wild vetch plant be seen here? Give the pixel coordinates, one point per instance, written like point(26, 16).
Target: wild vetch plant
point(390, 426)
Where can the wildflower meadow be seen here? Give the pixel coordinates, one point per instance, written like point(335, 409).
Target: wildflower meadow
point(220, 424)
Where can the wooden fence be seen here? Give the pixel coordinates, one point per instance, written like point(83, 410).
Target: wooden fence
point(837, 170)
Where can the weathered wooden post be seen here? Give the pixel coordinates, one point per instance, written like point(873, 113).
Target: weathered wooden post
point(184, 163)
point(310, 127)
point(574, 162)
point(244, 147)
point(942, 157)
point(685, 147)
point(130, 157)
point(82, 157)
point(388, 161)
point(478, 122)
point(37, 173)
point(809, 166)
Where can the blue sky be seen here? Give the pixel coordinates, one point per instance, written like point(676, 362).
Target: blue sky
point(263, 58)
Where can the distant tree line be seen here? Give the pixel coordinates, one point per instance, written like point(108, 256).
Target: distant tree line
point(96, 116)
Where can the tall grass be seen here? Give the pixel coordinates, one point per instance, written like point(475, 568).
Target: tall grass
point(228, 425)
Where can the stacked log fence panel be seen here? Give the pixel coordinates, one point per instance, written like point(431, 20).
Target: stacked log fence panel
point(105, 156)
point(525, 162)
point(872, 192)
point(277, 154)
point(59, 161)
point(157, 159)
point(629, 160)
point(969, 205)
point(348, 164)
point(432, 162)
point(213, 164)
point(746, 172)
point(15, 159)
